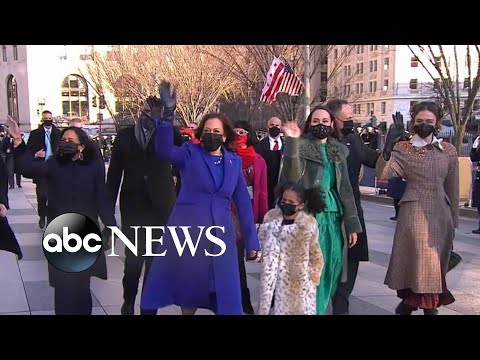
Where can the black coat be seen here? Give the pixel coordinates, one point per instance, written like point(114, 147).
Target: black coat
point(148, 192)
point(359, 154)
point(273, 160)
point(79, 187)
point(475, 156)
point(396, 188)
point(36, 142)
point(8, 241)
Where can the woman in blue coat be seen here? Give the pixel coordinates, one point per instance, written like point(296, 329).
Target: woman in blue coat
point(211, 178)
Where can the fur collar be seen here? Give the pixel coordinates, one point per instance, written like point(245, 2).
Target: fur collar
point(310, 150)
point(275, 215)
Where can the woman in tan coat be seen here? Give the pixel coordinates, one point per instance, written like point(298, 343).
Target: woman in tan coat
point(428, 210)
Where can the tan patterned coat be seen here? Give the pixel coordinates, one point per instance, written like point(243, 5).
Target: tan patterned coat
point(428, 215)
point(291, 266)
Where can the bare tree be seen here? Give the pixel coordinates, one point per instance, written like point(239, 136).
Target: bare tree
point(444, 65)
point(135, 72)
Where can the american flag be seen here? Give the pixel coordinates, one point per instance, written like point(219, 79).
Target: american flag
point(280, 78)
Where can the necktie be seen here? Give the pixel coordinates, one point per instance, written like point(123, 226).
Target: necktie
point(275, 147)
point(48, 145)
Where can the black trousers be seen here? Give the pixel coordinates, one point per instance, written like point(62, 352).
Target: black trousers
point(396, 206)
point(340, 301)
point(72, 294)
point(134, 265)
point(42, 194)
point(243, 272)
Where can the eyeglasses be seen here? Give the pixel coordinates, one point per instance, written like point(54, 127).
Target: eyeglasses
point(241, 132)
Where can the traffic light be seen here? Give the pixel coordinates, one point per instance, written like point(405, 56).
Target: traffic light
point(102, 102)
point(94, 101)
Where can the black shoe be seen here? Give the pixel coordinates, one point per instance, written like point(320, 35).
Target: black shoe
point(430, 312)
point(393, 218)
point(11, 187)
point(128, 308)
point(19, 186)
point(476, 231)
point(148, 312)
point(247, 307)
point(41, 223)
point(403, 309)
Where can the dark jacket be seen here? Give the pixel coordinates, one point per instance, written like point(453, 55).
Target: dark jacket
point(36, 142)
point(79, 187)
point(148, 192)
point(358, 154)
point(475, 157)
point(273, 160)
point(396, 188)
point(8, 241)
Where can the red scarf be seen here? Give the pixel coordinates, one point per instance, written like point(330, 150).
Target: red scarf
point(248, 156)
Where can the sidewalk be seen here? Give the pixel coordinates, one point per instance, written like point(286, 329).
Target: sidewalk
point(24, 286)
point(369, 194)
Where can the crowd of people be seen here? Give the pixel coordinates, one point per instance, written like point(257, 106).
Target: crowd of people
point(290, 202)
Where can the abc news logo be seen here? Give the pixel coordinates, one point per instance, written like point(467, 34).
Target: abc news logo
point(73, 242)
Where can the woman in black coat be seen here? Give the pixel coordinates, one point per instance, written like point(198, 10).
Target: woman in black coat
point(78, 180)
point(8, 241)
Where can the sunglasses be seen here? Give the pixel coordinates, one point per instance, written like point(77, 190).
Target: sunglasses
point(241, 132)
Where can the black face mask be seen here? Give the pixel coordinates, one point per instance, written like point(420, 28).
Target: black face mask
point(321, 131)
point(347, 127)
point(211, 141)
point(274, 131)
point(423, 130)
point(288, 209)
point(66, 150)
point(147, 122)
point(47, 122)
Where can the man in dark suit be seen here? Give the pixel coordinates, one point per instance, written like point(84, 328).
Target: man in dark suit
point(147, 195)
point(271, 149)
point(42, 144)
point(359, 154)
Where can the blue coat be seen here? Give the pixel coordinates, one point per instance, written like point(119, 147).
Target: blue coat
point(201, 281)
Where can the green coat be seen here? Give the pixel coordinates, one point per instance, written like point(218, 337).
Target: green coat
point(303, 162)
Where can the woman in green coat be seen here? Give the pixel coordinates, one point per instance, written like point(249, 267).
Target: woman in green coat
point(319, 162)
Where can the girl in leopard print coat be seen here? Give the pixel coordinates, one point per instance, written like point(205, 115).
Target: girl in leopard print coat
point(292, 260)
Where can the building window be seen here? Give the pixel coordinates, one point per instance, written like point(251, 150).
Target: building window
point(383, 107)
point(466, 83)
point(12, 97)
point(335, 54)
point(361, 88)
point(357, 88)
point(371, 47)
point(413, 84)
point(74, 93)
point(15, 52)
point(385, 84)
point(360, 68)
point(386, 63)
point(4, 51)
point(412, 103)
point(376, 47)
point(372, 107)
point(368, 108)
point(348, 90)
point(373, 86)
point(414, 61)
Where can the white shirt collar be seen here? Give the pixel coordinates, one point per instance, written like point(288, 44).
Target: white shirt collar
point(417, 141)
point(272, 142)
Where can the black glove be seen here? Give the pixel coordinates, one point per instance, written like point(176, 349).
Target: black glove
point(168, 99)
point(395, 133)
point(156, 107)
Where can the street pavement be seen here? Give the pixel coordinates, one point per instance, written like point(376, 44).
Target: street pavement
point(24, 287)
